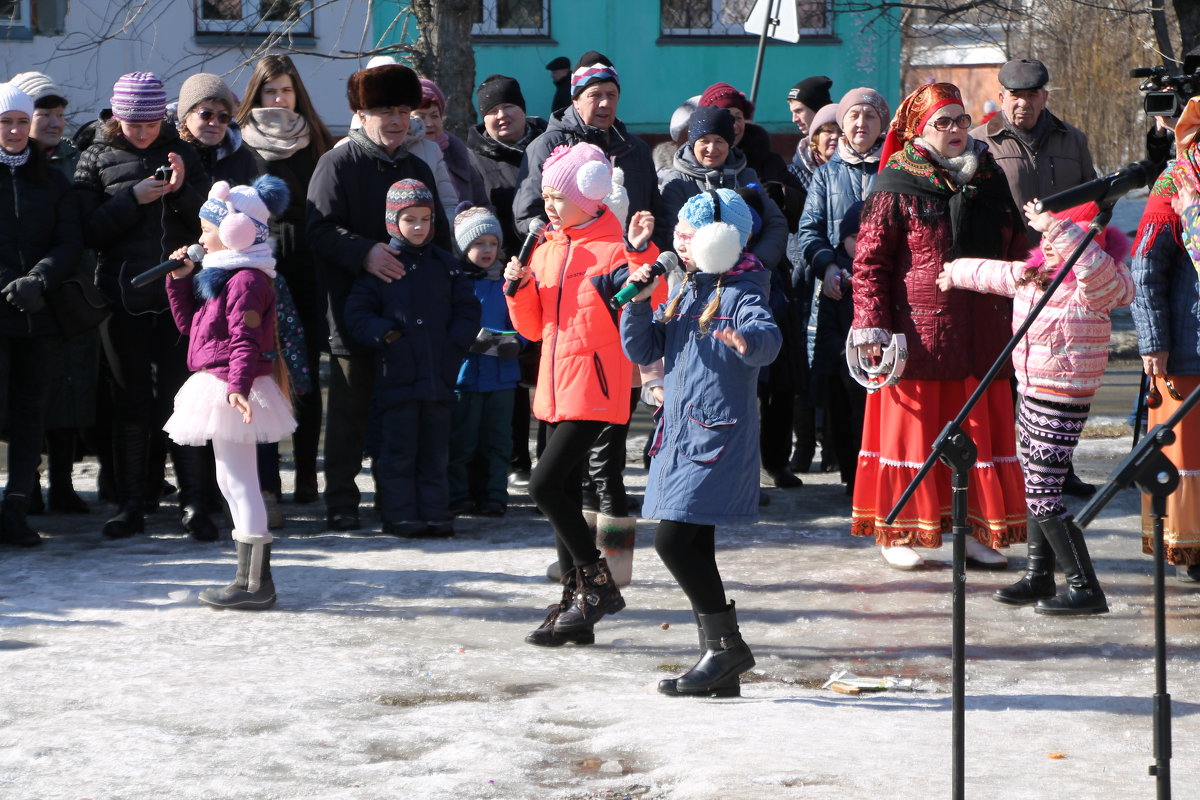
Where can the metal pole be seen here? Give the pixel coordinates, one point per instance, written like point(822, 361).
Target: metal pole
point(1161, 770)
point(769, 19)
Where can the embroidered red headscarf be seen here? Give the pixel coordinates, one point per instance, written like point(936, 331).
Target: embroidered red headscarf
point(914, 112)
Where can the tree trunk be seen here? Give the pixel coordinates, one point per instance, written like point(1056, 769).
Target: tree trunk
point(444, 53)
point(1188, 13)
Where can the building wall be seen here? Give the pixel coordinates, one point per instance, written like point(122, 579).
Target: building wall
point(657, 75)
point(162, 39)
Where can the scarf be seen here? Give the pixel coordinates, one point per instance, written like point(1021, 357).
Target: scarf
point(220, 266)
point(14, 160)
point(1033, 139)
point(852, 156)
point(959, 169)
point(276, 133)
point(443, 141)
point(976, 207)
point(373, 148)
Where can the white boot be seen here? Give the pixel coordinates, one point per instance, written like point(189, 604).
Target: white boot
point(614, 538)
point(902, 557)
point(983, 556)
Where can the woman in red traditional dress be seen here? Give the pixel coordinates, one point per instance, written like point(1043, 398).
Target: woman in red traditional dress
point(939, 195)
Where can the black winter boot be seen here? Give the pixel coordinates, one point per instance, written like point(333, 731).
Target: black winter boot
point(1083, 594)
point(668, 685)
point(596, 595)
point(545, 635)
point(252, 589)
point(60, 454)
point(725, 658)
point(14, 528)
point(190, 468)
point(1038, 581)
point(129, 461)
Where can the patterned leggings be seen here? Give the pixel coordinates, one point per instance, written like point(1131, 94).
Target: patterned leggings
point(1046, 435)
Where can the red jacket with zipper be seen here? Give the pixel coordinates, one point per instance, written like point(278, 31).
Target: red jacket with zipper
point(583, 373)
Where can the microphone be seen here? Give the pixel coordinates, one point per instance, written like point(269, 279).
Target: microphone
point(536, 229)
point(1110, 187)
point(666, 261)
point(194, 252)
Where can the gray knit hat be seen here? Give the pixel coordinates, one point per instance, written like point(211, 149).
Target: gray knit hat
point(205, 86)
point(472, 223)
point(37, 85)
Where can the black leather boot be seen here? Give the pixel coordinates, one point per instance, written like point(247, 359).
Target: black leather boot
point(1083, 594)
point(545, 636)
point(129, 461)
point(190, 467)
point(668, 685)
point(725, 658)
point(14, 528)
point(252, 588)
point(596, 595)
point(60, 454)
point(1038, 581)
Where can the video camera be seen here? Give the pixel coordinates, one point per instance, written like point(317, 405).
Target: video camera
point(1166, 95)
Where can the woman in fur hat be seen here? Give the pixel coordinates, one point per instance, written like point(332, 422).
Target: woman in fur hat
point(715, 333)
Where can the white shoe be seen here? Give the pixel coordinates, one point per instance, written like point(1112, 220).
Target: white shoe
point(984, 556)
point(902, 557)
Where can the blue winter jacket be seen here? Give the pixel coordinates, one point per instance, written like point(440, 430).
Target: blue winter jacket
point(705, 449)
point(1166, 304)
point(488, 373)
point(836, 185)
point(436, 315)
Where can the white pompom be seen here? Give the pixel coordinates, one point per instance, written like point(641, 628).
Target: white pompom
point(716, 247)
point(594, 180)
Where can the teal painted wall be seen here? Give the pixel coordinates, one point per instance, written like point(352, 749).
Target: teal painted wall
point(657, 76)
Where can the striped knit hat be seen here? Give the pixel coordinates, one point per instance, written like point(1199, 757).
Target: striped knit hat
point(407, 193)
point(472, 223)
point(592, 68)
point(139, 97)
point(37, 85)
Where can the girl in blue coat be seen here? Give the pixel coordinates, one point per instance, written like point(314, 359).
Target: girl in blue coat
point(714, 333)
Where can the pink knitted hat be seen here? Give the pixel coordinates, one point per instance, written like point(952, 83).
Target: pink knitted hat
point(432, 93)
point(581, 172)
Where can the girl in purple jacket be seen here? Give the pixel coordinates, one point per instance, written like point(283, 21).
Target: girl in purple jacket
point(232, 398)
point(1058, 365)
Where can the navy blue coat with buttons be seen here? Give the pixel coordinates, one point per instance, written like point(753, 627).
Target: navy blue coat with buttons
point(435, 311)
point(705, 450)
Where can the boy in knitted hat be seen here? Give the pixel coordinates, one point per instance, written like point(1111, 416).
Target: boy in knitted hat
point(422, 324)
point(481, 426)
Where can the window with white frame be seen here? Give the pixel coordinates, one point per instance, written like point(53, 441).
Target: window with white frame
point(512, 18)
point(726, 17)
point(255, 17)
point(16, 19)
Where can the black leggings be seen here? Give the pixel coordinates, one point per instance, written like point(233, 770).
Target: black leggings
point(556, 487)
point(690, 553)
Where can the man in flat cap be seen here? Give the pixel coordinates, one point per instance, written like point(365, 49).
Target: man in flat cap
point(1039, 153)
point(560, 74)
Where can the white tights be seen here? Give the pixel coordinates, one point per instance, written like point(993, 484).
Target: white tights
point(237, 475)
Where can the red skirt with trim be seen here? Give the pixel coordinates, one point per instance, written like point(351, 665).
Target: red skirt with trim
point(1181, 526)
point(899, 427)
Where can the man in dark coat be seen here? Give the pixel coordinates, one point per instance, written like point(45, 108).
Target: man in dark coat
point(346, 229)
point(498, 145)
point(592, 118)
point(560, 74)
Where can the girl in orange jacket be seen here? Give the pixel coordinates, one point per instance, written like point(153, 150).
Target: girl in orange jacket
point(584, 378)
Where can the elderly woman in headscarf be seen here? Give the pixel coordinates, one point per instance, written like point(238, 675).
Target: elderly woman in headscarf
point(939, 195)
point(1165, 255)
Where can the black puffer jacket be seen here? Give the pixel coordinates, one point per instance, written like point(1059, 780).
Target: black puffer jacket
point(627, 151)
point(347, 202)
point(39, 233)
point(231, 161)
point(500, 167)
point(129, 237)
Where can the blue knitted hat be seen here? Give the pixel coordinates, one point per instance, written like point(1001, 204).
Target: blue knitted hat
point(699, 211)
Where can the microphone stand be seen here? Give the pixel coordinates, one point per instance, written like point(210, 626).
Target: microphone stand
point(955, 448)
point(1154, 475)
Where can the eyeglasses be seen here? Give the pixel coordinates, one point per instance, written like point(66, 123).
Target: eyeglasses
point(684, 237)
point(1154, 397)
point(206, 114)
point(945, 123)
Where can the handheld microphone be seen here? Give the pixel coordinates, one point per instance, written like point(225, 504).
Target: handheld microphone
point(195, 253)
point(666, 261)
point(536, 229)
point(1110, 187)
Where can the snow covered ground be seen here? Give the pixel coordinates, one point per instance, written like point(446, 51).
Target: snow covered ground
point(396, 669)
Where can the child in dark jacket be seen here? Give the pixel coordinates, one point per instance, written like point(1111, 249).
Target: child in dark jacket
point(422, 325)
point(227, 311)
point(481, 424)
point(714, 335)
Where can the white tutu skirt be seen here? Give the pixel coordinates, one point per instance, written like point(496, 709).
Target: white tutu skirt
point(202, 412)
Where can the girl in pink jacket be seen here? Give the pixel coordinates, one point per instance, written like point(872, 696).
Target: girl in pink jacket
point(1058, 366)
